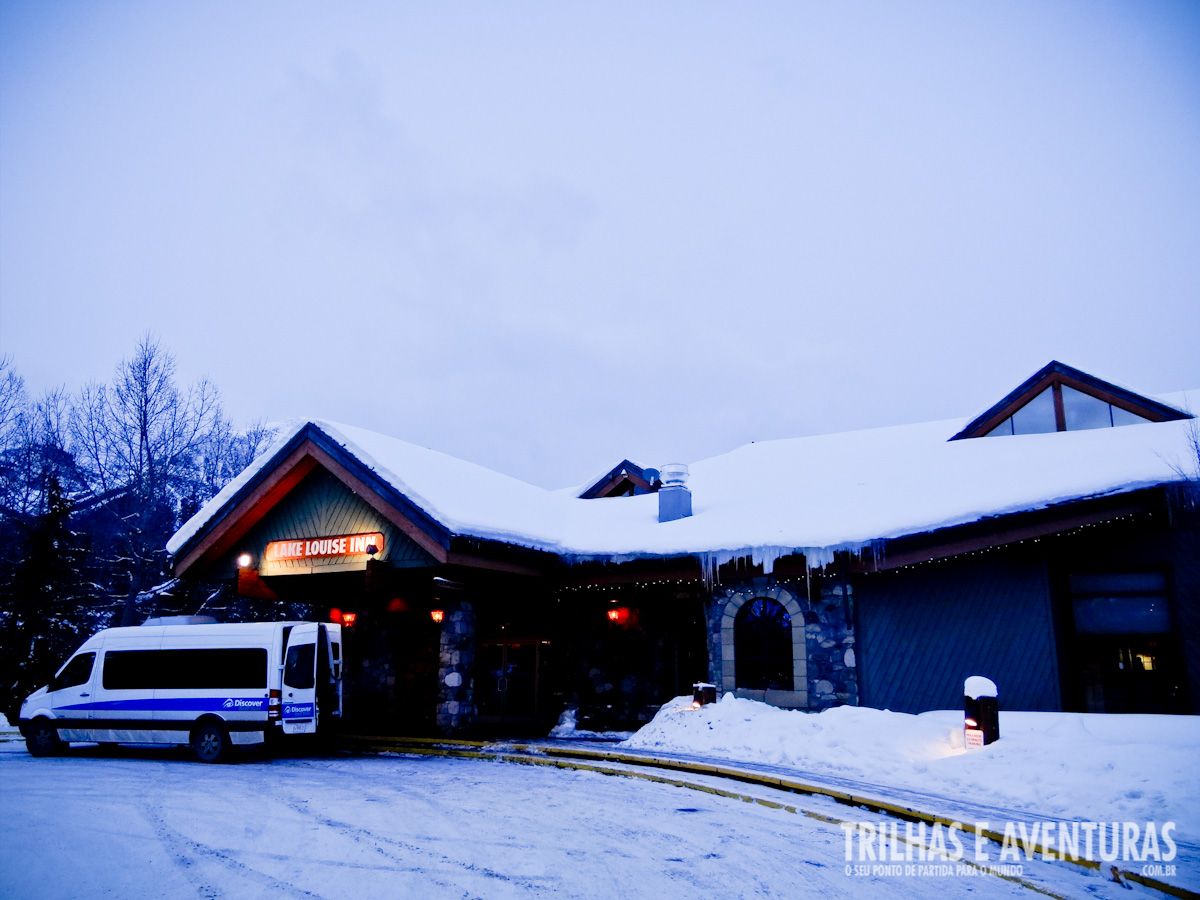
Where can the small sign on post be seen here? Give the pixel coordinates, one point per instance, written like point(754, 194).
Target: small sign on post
point(981, 711)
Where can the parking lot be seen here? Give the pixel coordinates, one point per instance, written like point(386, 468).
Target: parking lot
point(130, 823)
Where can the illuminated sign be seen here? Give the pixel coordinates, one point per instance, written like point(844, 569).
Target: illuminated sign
point(308, 548)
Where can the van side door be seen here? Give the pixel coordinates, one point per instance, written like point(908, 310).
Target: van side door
point(300, 680)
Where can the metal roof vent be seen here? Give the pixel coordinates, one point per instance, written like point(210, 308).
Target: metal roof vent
point(182, 620)
point(674, 497)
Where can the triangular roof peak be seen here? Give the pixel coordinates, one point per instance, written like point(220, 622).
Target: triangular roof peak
point(246, 500)
point(1059, 397)
point(624, 479)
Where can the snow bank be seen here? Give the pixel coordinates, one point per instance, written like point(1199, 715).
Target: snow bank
point(1060, 765)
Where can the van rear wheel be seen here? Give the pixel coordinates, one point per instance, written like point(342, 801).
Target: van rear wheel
point(210, 742)
point(42, 739)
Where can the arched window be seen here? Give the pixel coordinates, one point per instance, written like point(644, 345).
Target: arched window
point(762, 646)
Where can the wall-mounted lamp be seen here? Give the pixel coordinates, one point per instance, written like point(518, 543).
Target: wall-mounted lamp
point(244, 561)
point(618, 615)
point(437, 615)
point(349, 618)
point(372, 550)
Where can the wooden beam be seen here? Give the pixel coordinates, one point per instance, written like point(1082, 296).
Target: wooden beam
point(474, 561)
point(628, 573)
point(1011, 535)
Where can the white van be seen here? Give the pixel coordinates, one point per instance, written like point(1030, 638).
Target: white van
point(208, 685)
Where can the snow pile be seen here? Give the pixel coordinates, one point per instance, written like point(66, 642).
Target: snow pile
point(1060, 765)
point(568, 729)
point(977, 686)
point(5, 728)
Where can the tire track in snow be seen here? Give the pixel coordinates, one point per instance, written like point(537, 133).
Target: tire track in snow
point(375, 842)
point(185, 852)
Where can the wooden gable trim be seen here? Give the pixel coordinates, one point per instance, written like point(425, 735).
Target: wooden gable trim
point(1055, 375)
point(411, 529)
point(607, 484)
point(282, 479)
point(608, 488)
point(247, 513)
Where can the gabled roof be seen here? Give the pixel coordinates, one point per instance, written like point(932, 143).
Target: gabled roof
point(244, 502)
point(812, 495)
point(625, 478)
point(1055, 375)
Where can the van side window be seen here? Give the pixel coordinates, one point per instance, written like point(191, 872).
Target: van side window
point(200, 669)
point(77, 671)
point(299, 670)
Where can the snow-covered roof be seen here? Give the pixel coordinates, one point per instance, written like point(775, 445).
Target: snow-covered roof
point(813, 494)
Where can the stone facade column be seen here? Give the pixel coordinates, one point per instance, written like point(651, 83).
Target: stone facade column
point(456, 665)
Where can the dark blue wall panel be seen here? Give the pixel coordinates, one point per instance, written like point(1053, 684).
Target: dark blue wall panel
point(924, 629)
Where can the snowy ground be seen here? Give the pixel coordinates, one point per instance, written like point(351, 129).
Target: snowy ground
point(1061, 766)
point(152, 823)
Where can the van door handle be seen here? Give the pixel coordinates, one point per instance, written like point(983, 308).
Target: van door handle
point(85, 694)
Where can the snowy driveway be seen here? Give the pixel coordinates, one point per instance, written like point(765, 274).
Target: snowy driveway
point(154, 824)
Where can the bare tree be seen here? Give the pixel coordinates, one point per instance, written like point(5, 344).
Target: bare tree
point(138, 439)
point(13, 401)
point(224, 453)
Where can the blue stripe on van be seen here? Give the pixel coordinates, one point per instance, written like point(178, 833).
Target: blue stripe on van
point(182, 704)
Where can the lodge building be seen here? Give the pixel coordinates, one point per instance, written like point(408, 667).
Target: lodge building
point(1052, 544)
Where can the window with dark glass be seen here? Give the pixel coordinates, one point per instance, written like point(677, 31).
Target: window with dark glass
point(762, 646)
point(299, 670)
point(76, 672)
point(1125, 603)
point(185, 669)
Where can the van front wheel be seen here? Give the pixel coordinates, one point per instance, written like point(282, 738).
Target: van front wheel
point(210, 743)
point(42, 739)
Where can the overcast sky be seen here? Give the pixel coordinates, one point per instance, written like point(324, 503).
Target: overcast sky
point(546, 236)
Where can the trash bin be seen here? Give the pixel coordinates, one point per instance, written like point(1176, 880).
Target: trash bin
point(703, 693)
point(981, 711)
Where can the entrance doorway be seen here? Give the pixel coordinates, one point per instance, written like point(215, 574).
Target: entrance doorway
point(1130, 674)
point(1126, 657)
point(510, 684)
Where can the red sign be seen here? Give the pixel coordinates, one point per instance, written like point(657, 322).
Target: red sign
point(307, 548)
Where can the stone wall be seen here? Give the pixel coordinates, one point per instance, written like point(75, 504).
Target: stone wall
point(456, 664)
point(824, 668)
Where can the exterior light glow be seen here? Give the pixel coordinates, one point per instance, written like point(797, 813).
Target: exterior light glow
point(437, 615)
point(349, 618)
point(244, 561)
point(618, 615)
